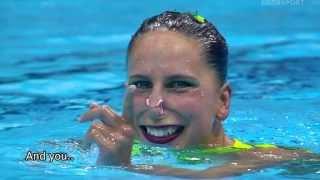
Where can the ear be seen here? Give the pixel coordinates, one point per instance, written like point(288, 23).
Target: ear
point(224, 102)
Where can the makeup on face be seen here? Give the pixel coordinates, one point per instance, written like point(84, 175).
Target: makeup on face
point(174, 91)
point(155, 104)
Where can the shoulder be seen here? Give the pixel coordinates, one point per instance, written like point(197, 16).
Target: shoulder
point(273, 155)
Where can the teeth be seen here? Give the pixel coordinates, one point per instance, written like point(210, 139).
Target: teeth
point(160, 132)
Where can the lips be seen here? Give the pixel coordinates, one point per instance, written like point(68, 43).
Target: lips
point(161, 134)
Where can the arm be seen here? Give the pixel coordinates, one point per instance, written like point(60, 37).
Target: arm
point(242, 163)
point(231, 169)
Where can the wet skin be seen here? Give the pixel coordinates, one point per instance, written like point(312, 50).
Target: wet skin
point(174, 70)
point(169, 68)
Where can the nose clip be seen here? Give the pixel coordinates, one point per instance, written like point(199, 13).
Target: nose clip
point(158, 104)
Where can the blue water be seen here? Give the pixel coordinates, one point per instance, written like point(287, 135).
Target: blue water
point(58, 56)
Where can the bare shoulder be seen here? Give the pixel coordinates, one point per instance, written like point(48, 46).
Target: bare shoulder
point(241, 162)
point(270, 155)
point(256, 159)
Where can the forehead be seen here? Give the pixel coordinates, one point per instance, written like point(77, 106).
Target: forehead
point(167, 52)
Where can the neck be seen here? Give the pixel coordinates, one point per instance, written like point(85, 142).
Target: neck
point(218, 137)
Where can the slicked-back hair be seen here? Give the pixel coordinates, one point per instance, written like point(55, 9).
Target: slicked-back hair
point(211, 41)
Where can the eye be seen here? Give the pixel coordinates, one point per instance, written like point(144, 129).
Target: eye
point(142, 84)
point(179, 85)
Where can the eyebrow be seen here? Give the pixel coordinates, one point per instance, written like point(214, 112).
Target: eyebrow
point(174, 76)
point(180, 76)
point(139, 76)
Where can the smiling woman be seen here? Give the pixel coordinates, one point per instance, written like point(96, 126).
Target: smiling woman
point(186, 86)
point(177, 97)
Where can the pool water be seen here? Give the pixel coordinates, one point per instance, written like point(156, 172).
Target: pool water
point(58, 56)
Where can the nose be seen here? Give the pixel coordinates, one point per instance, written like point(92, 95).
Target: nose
point(156, 102)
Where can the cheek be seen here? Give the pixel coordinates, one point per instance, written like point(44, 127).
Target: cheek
point(139, 102)
point(193, 104)
point(196, 105)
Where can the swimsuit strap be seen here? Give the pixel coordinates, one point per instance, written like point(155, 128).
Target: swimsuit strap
point(199, 155)
point(241, 145)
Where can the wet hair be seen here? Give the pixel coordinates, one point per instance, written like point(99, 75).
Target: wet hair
point(212, 42)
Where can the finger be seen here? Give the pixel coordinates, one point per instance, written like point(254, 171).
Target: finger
point(115, 138)
point(103, 113)
point(92, 114)
point(107, 137)
point(127, 131)
point(99, 138)
point(128, 102)
point(95, 132)
point(88, 139)
point(122, 134)
point(109, 117)
point(93, 105)
point(107, 131)
point(124, 131)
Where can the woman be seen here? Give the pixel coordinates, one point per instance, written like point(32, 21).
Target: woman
point(177, 97)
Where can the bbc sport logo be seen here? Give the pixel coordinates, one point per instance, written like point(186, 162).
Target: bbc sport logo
point(282, 2)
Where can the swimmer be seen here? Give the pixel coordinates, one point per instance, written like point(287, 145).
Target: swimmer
point(177, 96)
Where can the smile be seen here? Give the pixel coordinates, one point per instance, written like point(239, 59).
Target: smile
point(161, 134)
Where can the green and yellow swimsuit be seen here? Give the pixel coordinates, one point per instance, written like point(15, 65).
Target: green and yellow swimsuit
point(199, 154)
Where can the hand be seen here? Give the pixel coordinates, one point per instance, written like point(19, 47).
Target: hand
point(113, 135)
